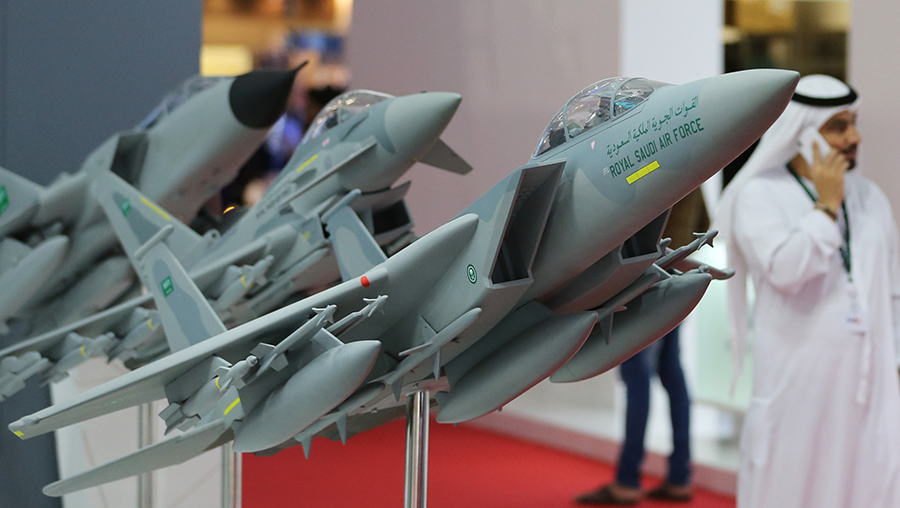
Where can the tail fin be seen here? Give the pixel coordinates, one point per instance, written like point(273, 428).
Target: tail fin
point(136, 219)
point(186, 314)
point(163, 454)
point(19, 201)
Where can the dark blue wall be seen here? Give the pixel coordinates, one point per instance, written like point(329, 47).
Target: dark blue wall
point(74, 72)
point(71, 74)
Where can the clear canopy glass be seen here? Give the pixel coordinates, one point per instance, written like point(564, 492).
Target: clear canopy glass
point(595, 106)
point(341, 108)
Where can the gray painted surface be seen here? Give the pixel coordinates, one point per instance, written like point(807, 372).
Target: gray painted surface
point(873, 36)
point(71, 73)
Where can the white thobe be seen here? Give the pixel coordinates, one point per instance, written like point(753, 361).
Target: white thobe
point(823, 427)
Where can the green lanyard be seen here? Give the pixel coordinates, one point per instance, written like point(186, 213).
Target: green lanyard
point(845, 249)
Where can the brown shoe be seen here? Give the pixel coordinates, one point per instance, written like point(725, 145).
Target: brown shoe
point(606, 496)
point(665, 491)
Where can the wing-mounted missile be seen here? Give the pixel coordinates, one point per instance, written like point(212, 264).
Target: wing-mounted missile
point(143, 328)
point(518, 353)
point(273, 357)
point(349, 321)
point(612, 273)
point(75, 350)
point(49, 347)
point(429, 347)
point(239, 281)
point(183, 413)
point(24, 270)
point(647, 318)
point(677, 260)
point(16, 370)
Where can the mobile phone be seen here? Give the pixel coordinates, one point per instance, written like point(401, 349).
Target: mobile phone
point(807, 137)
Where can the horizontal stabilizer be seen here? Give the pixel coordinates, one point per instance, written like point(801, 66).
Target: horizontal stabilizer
point(441, 156)
point(166, 453)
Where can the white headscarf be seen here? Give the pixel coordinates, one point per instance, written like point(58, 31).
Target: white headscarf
point(776, 147)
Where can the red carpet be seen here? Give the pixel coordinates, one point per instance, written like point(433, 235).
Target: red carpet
point(468, 468)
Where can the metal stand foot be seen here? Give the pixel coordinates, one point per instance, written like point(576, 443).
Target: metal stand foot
point(232, 466)
point(417, 408)
point(146, 437)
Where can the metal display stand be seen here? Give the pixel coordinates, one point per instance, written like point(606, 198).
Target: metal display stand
point(417, 409)
point(232, 469)
point(146, 437)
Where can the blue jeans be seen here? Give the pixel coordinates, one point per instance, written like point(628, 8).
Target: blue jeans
point(636, 372)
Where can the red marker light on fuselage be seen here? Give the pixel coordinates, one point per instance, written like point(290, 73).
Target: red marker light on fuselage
point(365, 281)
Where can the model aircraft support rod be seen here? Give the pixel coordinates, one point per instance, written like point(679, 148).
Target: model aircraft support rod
point(146, 437)
point(232, 470)
point(417, 407)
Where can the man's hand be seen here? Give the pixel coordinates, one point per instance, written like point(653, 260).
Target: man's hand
point(828, 175)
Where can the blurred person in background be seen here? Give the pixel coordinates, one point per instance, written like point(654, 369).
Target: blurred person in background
point(820, 243)
point(662, 358)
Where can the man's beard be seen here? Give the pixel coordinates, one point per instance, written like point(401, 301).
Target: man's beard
point(851, 159)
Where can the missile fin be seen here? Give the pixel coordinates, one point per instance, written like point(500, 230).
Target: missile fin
point(261, 350)
point(341, 424)
point(606, 324)
point(306, 443)
point(437, 364)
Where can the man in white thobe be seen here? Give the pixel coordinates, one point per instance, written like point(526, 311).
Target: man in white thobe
point(821, 246)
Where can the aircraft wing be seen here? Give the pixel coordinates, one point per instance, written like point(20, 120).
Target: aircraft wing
point(169, 452)
point(149, 382)
point(101, 320)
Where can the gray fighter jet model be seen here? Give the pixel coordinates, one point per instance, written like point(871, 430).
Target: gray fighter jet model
point(521, 286)
point(338, 180)
point(58, 257)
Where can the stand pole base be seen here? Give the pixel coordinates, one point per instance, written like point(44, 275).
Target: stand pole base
point(417, 409)
point(232, 469)
point(146, 437)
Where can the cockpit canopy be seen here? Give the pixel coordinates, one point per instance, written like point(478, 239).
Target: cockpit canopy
point(596, 105)
point(341, 108)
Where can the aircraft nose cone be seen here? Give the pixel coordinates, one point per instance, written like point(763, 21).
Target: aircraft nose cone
point(259, 98)
point(413, 120)
point(738, 107)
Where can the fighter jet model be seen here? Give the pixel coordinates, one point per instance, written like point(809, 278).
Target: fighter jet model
point(338, 180)
point(57, 253)
point(522, 285)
